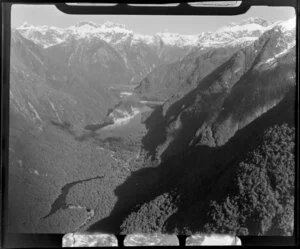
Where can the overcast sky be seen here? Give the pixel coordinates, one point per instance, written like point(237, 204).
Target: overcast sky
point(50, 15)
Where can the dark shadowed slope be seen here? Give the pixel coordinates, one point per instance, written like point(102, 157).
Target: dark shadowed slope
point(200, 178)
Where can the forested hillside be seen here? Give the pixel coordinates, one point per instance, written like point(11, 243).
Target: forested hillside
point(248, 190)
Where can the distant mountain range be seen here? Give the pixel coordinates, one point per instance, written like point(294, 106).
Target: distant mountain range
point(115, 33)
point(141, 53)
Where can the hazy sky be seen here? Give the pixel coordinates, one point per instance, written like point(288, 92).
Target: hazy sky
point(50, 15)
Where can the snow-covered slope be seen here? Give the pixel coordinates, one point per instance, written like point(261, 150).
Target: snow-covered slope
point(44, 36)
point(246, 32)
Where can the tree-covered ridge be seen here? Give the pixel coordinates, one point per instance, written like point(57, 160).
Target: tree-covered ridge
point(150, 217)
point(200, 190)
point(261, 199)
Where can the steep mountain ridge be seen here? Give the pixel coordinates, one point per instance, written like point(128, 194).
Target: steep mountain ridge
point(170, 81)
point(219, 105)
point(99, 61)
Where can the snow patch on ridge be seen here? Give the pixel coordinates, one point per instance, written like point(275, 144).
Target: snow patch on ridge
point(274, 58)
point(36, 115)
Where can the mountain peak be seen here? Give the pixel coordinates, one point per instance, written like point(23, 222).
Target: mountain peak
point(25, 25)
point(256, 20)
point(110, 24)
point(289, 24)
point(89, 23)
point(251, 26)
point(252, 20)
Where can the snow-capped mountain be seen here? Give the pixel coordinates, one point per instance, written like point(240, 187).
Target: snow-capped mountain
point(246, 32)
point(110, 32)
point(139, 53)
point(142, 53)
point(44, 36)
point(172, 81)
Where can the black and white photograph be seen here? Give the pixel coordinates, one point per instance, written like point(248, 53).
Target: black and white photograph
point(123, 124)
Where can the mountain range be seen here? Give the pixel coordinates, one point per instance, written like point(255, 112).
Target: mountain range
point(108, 54)
point(213, 106)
